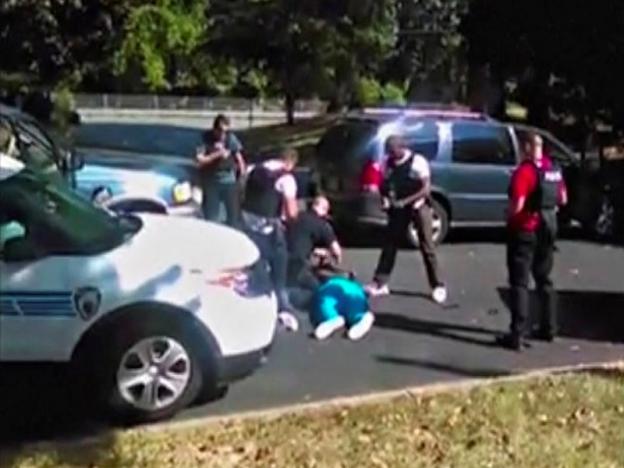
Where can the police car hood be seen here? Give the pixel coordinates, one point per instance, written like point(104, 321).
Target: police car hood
point(192, 244)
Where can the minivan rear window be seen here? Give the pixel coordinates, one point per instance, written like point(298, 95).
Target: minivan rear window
point(347, 140)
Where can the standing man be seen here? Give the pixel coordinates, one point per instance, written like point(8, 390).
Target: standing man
point(536, 191)
point(405, 192)
point(311, 234)
point(220, 160)
point(270, 204)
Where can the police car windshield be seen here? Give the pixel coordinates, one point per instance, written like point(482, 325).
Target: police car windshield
point(58, 220)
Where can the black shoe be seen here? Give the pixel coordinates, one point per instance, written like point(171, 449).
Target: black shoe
point(545, 335)
point(512, 341)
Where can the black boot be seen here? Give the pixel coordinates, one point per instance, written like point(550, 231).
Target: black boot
point(513, 341)
point(547, 330)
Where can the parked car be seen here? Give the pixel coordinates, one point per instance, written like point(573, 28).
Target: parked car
point(166, 146)
point(138, 183)
point(472, 157)
point(134, 182)
point(35, 146)
point(149, 327)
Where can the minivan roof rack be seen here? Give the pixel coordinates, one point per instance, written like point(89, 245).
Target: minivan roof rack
point(426, 110)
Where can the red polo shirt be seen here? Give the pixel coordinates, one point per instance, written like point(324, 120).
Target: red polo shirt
point(523, 184)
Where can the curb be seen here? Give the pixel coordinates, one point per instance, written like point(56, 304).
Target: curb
point(374, 397)
point(333, 403)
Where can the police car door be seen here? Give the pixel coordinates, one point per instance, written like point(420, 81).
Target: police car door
point(38, 320)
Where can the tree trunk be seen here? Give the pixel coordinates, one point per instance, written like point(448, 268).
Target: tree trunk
point(290, 108)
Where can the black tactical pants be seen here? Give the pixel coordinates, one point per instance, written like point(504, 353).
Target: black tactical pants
point(531, 253)
point(398, 222)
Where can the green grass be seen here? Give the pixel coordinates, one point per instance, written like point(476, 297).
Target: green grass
point(574, 420)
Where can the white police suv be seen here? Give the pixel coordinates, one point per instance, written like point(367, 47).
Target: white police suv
point(152, 311)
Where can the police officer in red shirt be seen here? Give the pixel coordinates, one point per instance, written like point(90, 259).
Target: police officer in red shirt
point(536, 191)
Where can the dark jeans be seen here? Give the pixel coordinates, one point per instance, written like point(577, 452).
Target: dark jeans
point(215, 193)
point(274, 252)
point(531, 253)
point(302, 284)
point(398, 222)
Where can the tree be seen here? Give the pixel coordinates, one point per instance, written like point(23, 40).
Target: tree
point(44, 42)
point(312, 48)
point(560, 55)
point(158, 37)
point(429, 44)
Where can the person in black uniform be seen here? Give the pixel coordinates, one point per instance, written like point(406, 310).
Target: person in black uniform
point(536, 191)
point(270, 204)
point(312, 243)
point(405, 191)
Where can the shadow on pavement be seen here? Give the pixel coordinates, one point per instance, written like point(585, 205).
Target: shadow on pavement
point(451, 331)
point(442, 367)
point(39, 402)
point(585, 315)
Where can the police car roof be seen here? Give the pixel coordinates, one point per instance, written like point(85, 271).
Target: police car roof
point(9, 166)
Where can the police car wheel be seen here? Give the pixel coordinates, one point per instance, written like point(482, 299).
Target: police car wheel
point(440, 225)
point(151, 372)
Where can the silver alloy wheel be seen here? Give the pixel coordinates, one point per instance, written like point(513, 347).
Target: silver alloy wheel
point(605, 222)
point(154, 373)
point(436, 229)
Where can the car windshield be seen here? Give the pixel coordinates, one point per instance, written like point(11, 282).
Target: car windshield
point(165, 140)
point(58, 221)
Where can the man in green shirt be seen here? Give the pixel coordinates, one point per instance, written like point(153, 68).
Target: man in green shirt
point(220, 161)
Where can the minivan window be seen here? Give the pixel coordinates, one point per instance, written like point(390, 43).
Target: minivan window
point(552, 148)
point(422, 138)
point(476, 143)
point(351, 139)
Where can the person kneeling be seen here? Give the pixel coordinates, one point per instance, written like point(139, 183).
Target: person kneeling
point(341, 302)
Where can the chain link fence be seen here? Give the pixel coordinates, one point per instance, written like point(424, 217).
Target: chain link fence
point(194, 111)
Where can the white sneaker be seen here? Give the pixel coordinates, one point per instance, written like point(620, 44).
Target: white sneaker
point(360, 329)
point(439, 295)
point(376, 290)
point(288, 321)
point(325, 329)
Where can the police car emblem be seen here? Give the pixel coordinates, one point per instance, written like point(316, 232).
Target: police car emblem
point(87, 302)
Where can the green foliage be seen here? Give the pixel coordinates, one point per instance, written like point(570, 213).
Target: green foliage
point(392, 93)
point(157, 33)
point(368, 91)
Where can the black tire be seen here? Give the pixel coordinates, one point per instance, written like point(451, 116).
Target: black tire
point(106, 355)
point(440, 225)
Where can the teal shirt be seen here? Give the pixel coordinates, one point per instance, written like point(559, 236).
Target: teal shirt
point(223, 172)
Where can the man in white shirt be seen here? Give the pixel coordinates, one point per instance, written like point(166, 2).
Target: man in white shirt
point(405, 192)
point(271, 203)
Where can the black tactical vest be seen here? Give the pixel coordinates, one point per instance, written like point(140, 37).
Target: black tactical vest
point(399, 182)
point(546, 194)
point(261, 196)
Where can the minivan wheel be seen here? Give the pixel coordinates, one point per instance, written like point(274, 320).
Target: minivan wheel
point(440, 225)
point(150, 373)
point(604, 223)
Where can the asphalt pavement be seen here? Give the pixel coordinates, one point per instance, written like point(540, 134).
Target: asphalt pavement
point(414, 341)
point(417, 342)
